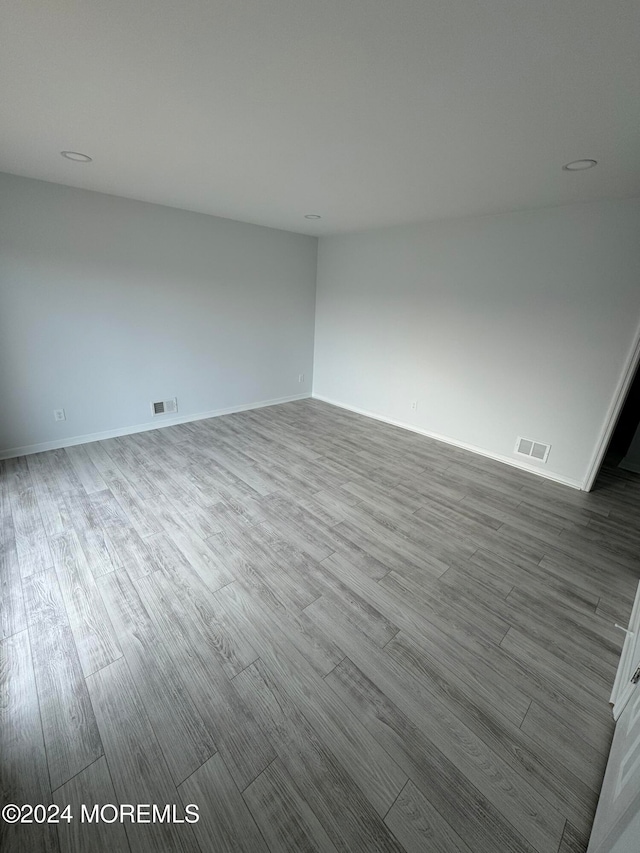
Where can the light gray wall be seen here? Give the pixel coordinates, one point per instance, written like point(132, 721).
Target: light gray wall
point(107, 304)
point(499, 326)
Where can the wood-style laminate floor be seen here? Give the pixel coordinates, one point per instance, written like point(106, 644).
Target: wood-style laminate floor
point(327, 633)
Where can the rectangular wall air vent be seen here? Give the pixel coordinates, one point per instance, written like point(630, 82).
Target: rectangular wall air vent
point(534, 449)
point(165, 407)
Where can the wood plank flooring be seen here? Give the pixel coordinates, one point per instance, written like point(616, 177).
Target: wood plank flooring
point(327, 633)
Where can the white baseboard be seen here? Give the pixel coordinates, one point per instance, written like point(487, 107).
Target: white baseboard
point(164, 422)
point(515, 463)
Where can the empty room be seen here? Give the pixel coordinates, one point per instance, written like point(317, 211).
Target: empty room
point(320, 426)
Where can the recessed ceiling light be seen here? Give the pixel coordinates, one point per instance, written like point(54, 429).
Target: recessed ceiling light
point(76, 156)
point(579, 165)
point(312, 216)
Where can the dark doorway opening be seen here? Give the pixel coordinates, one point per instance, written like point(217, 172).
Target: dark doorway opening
point(624, 431)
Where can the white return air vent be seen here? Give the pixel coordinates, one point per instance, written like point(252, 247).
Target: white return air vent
point(533, 449)
point(165, 407)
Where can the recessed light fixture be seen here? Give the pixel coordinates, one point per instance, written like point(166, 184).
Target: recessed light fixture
point(76, 156)
point(312, 216)
point(579, 165)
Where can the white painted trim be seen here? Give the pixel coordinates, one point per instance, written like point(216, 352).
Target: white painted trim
point(515, 463)
point(623, 689)
point(157, 424)
point(613, 413)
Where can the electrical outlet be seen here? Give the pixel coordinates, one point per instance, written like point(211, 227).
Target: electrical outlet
point(301, 377)
point(414, 405)
point(59, 415)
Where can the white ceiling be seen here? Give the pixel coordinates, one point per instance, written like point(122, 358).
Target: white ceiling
point(369, 112)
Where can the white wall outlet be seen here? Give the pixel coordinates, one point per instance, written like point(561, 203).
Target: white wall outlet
point(301, 377)
point(414, 405)
point(59, 415)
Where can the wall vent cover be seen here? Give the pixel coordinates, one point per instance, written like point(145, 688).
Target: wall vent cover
point(533, 449)
point(165, 407)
